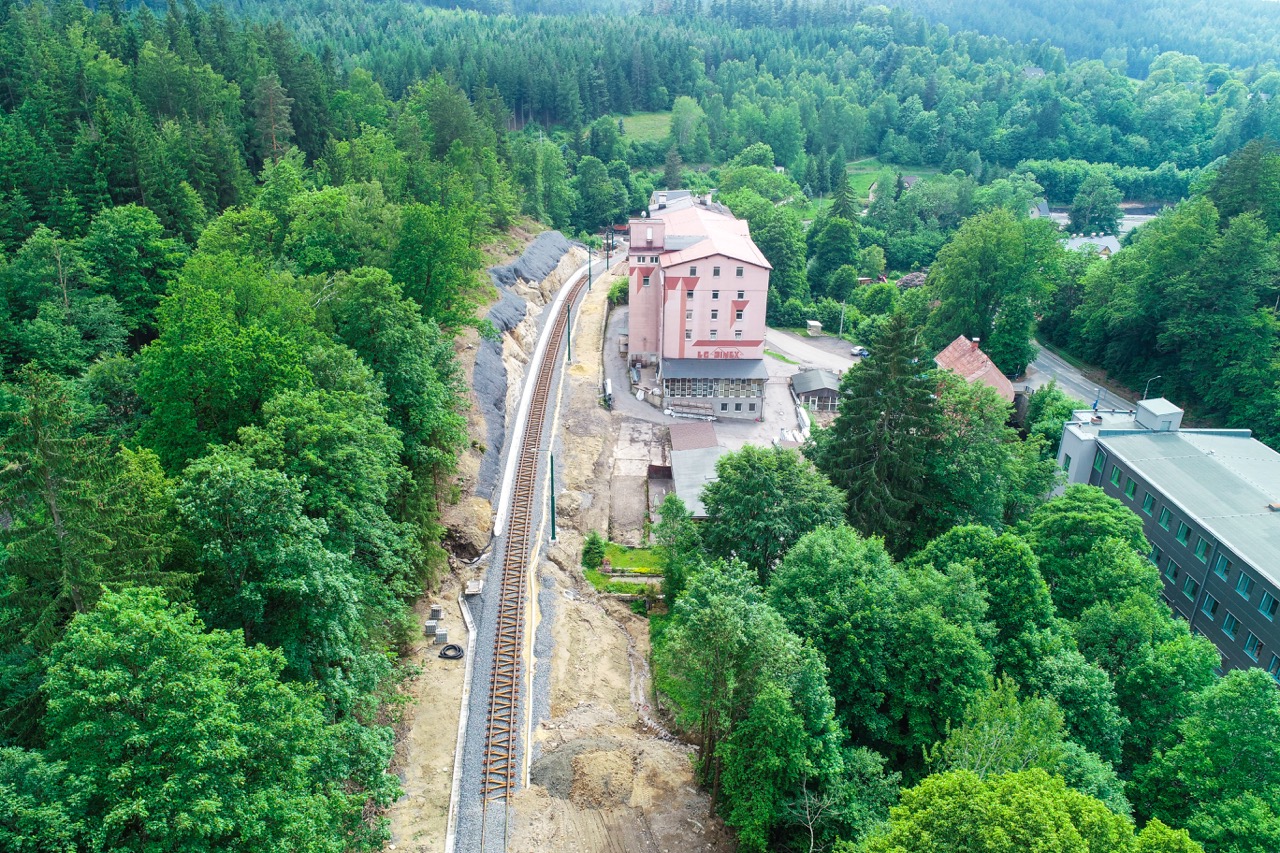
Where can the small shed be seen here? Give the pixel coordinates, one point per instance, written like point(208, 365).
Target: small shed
point(815, 328)
point(818, 389)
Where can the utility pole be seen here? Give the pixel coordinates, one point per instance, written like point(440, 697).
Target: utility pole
point(553, 497)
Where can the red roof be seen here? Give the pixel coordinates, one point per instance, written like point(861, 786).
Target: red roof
point(962, 356)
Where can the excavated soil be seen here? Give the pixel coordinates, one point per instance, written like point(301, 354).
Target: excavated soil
point(606, 778)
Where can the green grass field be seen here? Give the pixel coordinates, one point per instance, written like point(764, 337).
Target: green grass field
point(648, 127)
point(639, 560)
point(604, 583)
point(863, 173)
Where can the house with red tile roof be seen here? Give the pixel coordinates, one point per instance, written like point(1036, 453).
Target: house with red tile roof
point(962, 356)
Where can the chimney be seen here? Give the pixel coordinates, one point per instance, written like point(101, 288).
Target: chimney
point(975, 342)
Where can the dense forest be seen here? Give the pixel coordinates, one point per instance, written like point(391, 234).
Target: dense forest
point(1125, 35)
point(916, 658)
point(240, 242)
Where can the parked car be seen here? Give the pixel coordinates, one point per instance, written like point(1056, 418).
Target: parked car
point(861, 352)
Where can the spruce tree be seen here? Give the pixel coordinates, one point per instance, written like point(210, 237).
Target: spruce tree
point(878, 446)
point(671, 172)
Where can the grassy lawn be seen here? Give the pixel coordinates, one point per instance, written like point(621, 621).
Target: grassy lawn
point(640, 560)
point(810, 210)
point(648, 127)
point(603, 583)
point(863, 173)
point(780, 357)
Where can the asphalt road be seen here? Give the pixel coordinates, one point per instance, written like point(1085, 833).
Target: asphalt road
point(1048, 366)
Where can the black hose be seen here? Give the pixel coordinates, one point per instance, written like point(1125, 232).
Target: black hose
point(451, 651)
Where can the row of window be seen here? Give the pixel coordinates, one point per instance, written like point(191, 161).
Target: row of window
point(715, 334)
point(715, 272)
point(1165, 520)
point(715, 294)
point(737, 407)
point(715, 314)
point(714, 387)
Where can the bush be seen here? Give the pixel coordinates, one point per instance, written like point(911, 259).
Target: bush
point(593, 551)
point(619, 291)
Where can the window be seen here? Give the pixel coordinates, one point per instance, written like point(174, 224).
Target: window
point(1244, 585)
point(688, 294)
point(1268, 606)
point(738, 272)
point(724, 407)
point(1252, 645)
point(737, 315)
point(715, 294)
point(1165, 515)
point(1066, 462)
point(1190, 588)
point(688, 334)
point(1210, 606)
point(715, 315)
point(1274, 667)
point(1115, 475)
point(1184, 533)
point(742, 294)
point(1099, 461)
point(693, 272)
point(1230, 625)
point(1154, 556)
point(751, 407)
point(1222, 567)
point(1130, 488)
point(653, 260)
point(1148, 503)
point(714, 334)
point(715, 272)
point(1171, 571)
point(644, 282)
point(688, 313)
point(1202, 550)
point(737, 407)
point(737, 334)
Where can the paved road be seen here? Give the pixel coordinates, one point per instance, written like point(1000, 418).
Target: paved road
point(1048, 366)
point(829, 353)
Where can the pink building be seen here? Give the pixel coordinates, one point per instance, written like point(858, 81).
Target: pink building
point(698, 292)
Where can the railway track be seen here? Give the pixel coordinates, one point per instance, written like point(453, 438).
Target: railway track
point(502, 732)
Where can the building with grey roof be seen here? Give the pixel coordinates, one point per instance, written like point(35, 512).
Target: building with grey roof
point(1209, 500)
point(818, 389)
point(694, 451)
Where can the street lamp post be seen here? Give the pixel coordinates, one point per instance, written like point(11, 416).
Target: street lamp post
point(1148, 385)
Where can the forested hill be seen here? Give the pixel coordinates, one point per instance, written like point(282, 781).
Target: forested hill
point(1128, 34)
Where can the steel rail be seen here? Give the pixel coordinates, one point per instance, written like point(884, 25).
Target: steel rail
point(502, 731)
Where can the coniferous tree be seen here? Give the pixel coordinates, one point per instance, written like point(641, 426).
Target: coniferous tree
point(878, 447)
point(671, 174)
point(272, 123)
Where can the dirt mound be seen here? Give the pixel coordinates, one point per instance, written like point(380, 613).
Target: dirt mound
point(554, 769)
point(603, 778)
